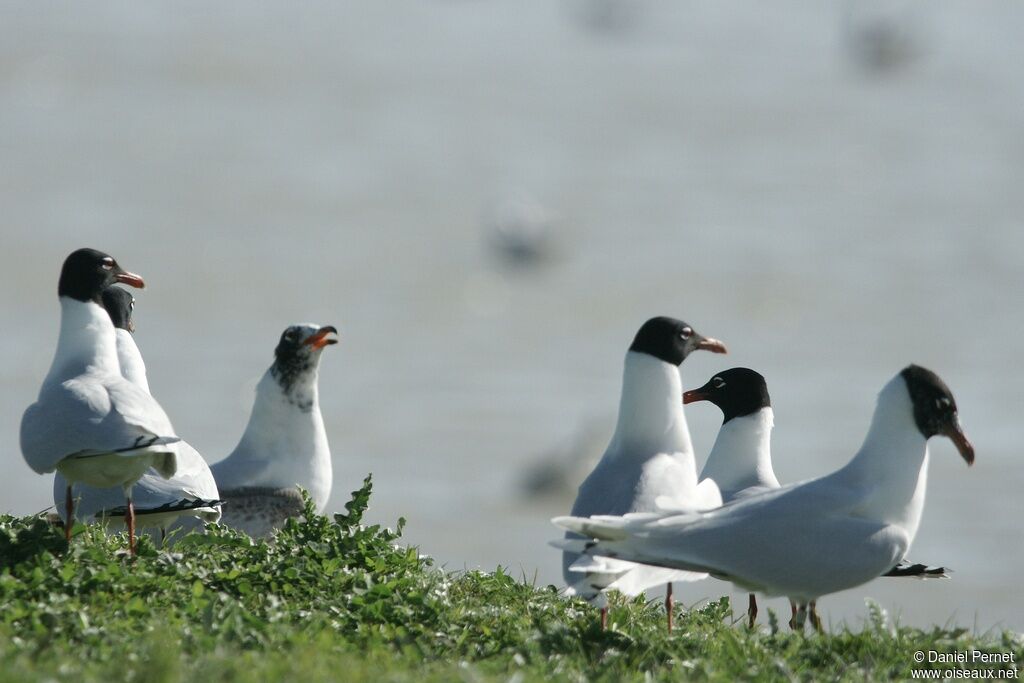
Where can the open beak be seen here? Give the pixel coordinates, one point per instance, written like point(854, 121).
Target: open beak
point(320, 338)
point(130, 279)
point(694, 395)
point(712, 345)
point(956, 434)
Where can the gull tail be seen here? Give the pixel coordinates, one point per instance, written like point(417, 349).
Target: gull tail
point(919, 571)
point(618, 555)
point(607, 527)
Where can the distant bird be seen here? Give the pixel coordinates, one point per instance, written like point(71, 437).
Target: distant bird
point(649, 464)
point(89, 423)
point(813, 538)
point(519, 231)
point(610, 17)
point(284, 445)
point(883, 38)
point(740, 462)
point(159, 503)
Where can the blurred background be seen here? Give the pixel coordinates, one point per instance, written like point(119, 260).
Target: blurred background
point(488, 198)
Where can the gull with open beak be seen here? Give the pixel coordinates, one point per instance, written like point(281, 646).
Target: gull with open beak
point(814, 538)
point(285, 444)
point(90, 423)
point(649, 464)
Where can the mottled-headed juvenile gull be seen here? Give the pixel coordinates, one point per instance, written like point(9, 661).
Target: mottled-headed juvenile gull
point(817, 537)
point(649, 463)
point(740, 462)
point(90, 423)
point(284, 445)
point(159, 503)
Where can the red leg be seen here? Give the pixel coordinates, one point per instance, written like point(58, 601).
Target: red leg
point(800, 618)
point(69, 514)
point(792, 615)
point(129, 520)
point(604, 618)
point(668, 606)
point(815, 619)
point(752, 610)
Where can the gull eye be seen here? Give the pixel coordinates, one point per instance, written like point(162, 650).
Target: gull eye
point(686, 332)
point(289, 335)
point(131, 305)
point(943, 403)
point(107, 263)
point(718, 382)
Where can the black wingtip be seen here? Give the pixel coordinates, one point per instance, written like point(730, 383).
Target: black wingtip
point(919, 571)
point(178, 506)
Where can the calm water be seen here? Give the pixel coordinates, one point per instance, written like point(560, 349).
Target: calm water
point(737, 168)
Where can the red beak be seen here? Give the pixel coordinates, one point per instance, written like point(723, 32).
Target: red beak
point(712, 345)
point(956, 434)
point(694, 395)
point(130, 279)
point(320, 339)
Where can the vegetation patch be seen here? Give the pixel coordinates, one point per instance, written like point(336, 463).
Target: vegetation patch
point(334, 599)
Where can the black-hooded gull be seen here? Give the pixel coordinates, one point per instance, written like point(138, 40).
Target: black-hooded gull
point(648, 465)
point(813, 538)
point(284, 445)
point(159, 503)
point(740, 462)
point(89, 423)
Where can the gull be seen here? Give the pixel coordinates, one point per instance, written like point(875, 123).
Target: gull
point(740, 462)
point(649, 463)
point(90, 423)
point(284, 445)
point(813, 538)
point(159, 503)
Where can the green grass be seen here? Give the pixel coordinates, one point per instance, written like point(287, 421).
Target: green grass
point(333, 599)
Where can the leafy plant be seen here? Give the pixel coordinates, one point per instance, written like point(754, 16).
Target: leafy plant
point(339, 599)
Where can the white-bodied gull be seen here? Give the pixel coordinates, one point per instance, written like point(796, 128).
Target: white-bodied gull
point(649, 463)
point(159, 503)
point(284, 445)
point(90, 423)
point(740, 462)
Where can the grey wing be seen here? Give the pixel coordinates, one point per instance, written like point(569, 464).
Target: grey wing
point(90, 416)
point(770, 547)
point(612, 489)
point(601, 493)
point(259, 511)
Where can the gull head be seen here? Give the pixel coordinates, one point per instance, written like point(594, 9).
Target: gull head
point(737, 391)
point(935, 409)
point(298, 352)
point(671, 340)
point(120, 305)
point(87, 272)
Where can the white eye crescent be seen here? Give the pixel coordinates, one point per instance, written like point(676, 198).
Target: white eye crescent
point(718, 382)
point(942, 403)
point(108, 263)
point(686, 332)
